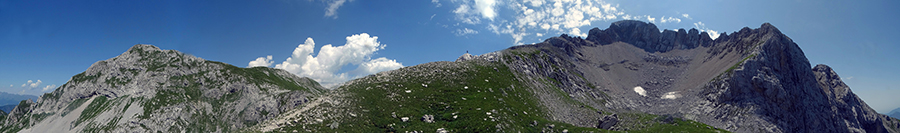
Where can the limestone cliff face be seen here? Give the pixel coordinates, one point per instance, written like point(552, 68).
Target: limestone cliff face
point(776, 85)
point(147, 89)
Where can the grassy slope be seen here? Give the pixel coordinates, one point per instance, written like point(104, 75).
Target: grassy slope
point(480, 97)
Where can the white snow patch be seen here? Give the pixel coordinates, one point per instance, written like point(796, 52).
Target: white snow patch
point(671, 95)
point(640, 91)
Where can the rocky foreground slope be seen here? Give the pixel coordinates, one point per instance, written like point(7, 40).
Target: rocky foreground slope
point(629, 77)
point(151, 90)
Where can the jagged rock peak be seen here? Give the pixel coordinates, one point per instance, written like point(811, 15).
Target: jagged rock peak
point(143, 47)
point(648, 37)
point(826, 69)
point(831, 82)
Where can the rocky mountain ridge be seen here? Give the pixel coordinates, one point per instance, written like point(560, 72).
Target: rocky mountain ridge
point(753, 80)
point(629, 77)
point(147, 89)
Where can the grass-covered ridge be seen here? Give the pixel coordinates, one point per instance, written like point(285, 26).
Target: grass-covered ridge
point(212, 94)
point(461, 97)
point(456, 97)
point(263, 75)
point(190, 91)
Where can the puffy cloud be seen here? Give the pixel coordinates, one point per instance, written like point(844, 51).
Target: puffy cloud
point(534, 3)
point(331, 10)
point(471, 11)
point(465, 31)
point(688, 16)
point(531, 17)
point(486, 8)
point(376, 65)
point(261, 61)
point(463, 14)
point(702, 27)
point(536, 18)
point(48, 87)
point(669, 19)
point(35, 84)
point(32, 84)
point(577, 32)
point(325, 67)
point(652, 20)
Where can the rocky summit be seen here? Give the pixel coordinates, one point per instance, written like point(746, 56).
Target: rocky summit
point(629, 77)
point(151, 90)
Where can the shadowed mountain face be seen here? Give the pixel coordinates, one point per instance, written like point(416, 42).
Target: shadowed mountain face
point(626, 78)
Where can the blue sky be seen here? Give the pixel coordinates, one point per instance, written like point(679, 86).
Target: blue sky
point(46, 42)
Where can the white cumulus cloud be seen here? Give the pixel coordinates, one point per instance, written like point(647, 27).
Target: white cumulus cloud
point(48, 87)
point(486, 8)
point(535, 18)
point(531, 17)
point(472, 11)
point(326, 66)
point(464, 14)
point(376, 65)
point(32, 84)
point(669, 20)
point(261, 61)
point(702, 27)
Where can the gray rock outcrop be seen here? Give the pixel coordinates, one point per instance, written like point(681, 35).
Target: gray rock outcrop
point(607, 122)
point(147, 89)
point(752, 80)
point(646, 36)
